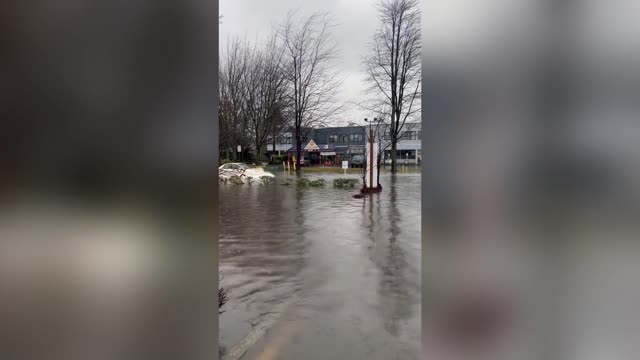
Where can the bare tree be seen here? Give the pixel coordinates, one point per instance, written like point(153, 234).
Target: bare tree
point(225, 115)
point(279, 123)
point(393, 66)
point(311, 80)
point(263, 90)
point(232, 115)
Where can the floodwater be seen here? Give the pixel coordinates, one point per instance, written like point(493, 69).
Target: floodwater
point(322, 274)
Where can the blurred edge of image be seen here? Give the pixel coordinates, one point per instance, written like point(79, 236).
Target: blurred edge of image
point(530, 186)
point(108, 218)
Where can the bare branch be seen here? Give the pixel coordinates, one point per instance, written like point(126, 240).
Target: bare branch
point(311, 83)
point(393, 67)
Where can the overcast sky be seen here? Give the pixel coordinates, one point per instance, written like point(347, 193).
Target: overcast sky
point(252, 19)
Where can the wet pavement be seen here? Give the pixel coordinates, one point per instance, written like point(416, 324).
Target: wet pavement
point(313, 273)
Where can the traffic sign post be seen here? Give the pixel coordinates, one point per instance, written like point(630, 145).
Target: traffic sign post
point(345, 166)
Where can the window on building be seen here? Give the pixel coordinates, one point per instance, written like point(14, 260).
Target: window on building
point(387, 136)
point(402, 155)
point(333, 138)
point(419, 135)
point(344, 138)
point(406, 154)
point(355, 137)
point(408, 135)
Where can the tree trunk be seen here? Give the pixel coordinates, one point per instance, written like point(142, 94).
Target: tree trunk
point(258, 153)
point(273, 149)
point(298, 152)
point(394, 146)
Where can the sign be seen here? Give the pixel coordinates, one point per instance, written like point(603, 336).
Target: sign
point(311, 146)
point(327, 153)
point(345, 164)
point(239, 148)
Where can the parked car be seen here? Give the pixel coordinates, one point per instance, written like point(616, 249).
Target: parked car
point(240, 169)
point(357, 161)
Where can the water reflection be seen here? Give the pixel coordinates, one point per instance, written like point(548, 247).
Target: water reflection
point(395, 289)
point(349, 267)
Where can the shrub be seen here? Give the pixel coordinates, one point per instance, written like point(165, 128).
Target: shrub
point(303, 182)
point(250, 180)
point(236, 180)
point(345, 182)
point(266, 180)
point(317, 183)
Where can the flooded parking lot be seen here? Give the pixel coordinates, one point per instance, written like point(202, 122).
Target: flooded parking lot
point(314, 273)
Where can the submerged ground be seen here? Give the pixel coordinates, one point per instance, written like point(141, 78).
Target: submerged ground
point(313, 273)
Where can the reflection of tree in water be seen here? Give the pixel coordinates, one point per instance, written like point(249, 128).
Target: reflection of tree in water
point(397, 297)
point(394, 285)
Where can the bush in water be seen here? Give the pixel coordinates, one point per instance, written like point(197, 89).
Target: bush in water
point(345, 182)
point(303, 182)
point(266, 180)
point(236, 180)
point(317, 183)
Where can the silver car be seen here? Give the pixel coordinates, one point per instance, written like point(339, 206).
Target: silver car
point(357, 161)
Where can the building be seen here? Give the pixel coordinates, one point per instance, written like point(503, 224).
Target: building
point(332, 145)
point(409, 147)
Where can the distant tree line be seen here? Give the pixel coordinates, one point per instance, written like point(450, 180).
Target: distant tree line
point(289, 82)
